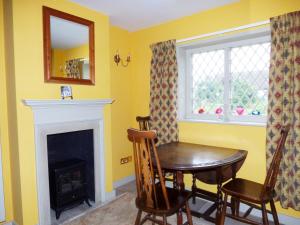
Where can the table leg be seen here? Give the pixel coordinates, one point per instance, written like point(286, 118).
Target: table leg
point(233, 202)
point(174, 180)
point(194, 187)
point(179, 180)
point(180, 186)
point(219, 203)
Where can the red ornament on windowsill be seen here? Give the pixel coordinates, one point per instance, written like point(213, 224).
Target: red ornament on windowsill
point(201, 110)
point(219, 111)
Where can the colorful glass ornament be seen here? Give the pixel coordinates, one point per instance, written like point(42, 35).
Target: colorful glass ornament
point(219, 111)
point(255, 112)
point(201, 110)
point(240, 110)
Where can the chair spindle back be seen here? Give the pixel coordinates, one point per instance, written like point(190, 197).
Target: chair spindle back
point(144, 122)
point(144, 153)
point(273, 170)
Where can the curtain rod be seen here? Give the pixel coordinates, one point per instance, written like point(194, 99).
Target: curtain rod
point(224, 31)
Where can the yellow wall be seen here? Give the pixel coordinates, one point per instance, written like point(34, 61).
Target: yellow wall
point(77, 52)
point(57, 62)
point(122, 92)
point(237, 14)
point(4, 124)
point(27, 78)
point(11, 110)
point(129, 86)
point(60, 56)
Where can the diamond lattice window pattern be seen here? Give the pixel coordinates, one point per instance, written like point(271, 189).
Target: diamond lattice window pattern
point(245, 69)
point(250, 72)
point(208, 87)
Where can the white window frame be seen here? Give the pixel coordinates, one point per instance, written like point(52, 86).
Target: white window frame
point(184, 55)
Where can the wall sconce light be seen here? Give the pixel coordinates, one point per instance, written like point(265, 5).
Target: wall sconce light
point(118, 59)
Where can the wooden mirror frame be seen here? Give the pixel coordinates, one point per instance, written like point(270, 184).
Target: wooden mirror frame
point(47, 12)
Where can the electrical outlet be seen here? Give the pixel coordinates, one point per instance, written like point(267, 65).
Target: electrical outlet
point(126, 159)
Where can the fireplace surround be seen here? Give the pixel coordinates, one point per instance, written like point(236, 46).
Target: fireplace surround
point(62, 116)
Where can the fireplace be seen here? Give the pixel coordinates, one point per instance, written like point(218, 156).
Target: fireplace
point(53, 117)
point(68, 184)
point(71, 169)
point(74, 145)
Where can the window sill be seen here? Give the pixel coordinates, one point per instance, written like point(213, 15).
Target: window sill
point(239, 123)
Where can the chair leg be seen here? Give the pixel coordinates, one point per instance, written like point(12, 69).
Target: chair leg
point(237, 207)
point(179, 217)
point(223, 213)
point(264, 214)
point(233, 205)
point(154, 217)
point(164, 220)
point(138, 217)
point(274, 212)
point(194, 189)
point(188, 214)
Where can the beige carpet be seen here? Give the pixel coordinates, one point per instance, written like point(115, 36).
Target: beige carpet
point(121, 211)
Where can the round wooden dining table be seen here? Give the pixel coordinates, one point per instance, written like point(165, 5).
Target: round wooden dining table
point(210, 164)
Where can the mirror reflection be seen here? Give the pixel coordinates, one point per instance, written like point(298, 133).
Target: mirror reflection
point(69, 49)
point(69, 56)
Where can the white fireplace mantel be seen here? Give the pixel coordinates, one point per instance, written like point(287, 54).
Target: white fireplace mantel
point(55, 111)
point(60, 116)
point(53, 103)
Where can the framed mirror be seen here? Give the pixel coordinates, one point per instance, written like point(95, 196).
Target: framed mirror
point(68, 48)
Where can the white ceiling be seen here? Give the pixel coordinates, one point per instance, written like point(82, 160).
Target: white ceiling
point(134, 15)
point(66, 34)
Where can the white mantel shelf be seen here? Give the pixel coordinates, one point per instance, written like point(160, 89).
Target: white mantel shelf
point(52, 102)
point(60, 111)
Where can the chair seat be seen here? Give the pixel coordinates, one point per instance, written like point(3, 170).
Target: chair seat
point(178, 200)
point(247, 190)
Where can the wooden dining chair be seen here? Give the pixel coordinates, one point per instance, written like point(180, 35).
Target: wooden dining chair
point(144, 124)
point(154, 198)
point(254, 194)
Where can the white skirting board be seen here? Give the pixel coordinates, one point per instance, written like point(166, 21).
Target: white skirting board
point(2, 208)
point(110, 195)
point(123, 181)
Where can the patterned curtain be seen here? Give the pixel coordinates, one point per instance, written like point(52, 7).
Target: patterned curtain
point(72, 68)
point(163, 91)
point(284, 105)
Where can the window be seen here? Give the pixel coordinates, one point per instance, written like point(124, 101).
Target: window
point(225, 80)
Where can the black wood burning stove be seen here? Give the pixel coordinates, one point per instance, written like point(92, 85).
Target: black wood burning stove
point(68, 186)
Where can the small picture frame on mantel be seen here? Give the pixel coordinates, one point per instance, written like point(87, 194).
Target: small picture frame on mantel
point(66, 92)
